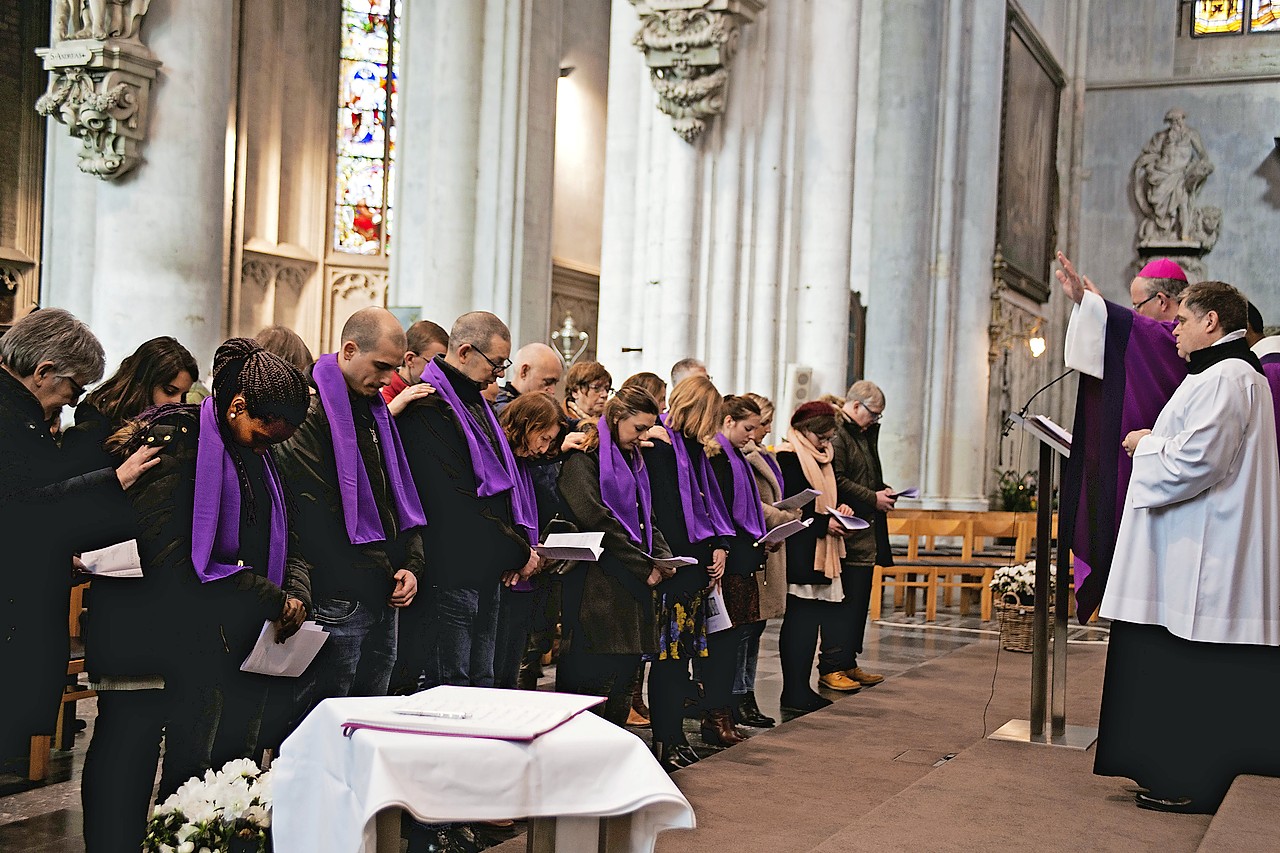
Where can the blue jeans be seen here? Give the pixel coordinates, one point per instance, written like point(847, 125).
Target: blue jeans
point(744, 680)
point(515, 613)
point(357, 658)
point(464, 628)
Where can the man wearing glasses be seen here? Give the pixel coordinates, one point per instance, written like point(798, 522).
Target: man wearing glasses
point(860, 484)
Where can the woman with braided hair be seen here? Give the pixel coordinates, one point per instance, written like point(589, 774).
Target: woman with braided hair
point(213, 538)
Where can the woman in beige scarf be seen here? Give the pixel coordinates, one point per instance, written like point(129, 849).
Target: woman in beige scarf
point(813, 557)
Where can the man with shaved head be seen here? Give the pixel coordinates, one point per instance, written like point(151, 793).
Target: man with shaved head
point(536, 367)
point(359, 519)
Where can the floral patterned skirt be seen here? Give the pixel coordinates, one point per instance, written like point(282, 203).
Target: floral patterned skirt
point(682, 625)
point(741, 598)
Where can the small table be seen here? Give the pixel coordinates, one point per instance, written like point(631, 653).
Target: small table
point(587, 785)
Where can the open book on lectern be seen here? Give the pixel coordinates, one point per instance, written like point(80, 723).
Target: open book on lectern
point(1046, 430)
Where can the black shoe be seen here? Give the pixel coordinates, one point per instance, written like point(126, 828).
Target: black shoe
point(803, 703)
point(674, 756)
point(1176, 805)
point(747, 712)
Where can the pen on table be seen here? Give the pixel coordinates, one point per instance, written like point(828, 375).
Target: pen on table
point(442, 715)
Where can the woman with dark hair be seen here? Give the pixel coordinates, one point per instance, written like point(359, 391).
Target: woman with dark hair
point(814, 591)
point(215, 550)
point(159, 372)
point(653, 383)
point(586, 388)
point(608, 605)
point(531, 424)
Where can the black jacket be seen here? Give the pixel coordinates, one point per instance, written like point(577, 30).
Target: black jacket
point(856, 460)
point(608, 605)
point(668, 513)
point(802, 547)
point(168, 621)
point(48, 511)
point(745, 556)
point(337, 568)
point(469, 541)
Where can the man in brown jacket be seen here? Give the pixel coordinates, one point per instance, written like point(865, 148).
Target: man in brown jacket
point(860, 484)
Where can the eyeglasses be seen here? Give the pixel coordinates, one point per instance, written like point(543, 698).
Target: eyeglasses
point(498, 367)
point(77, 390)
point(1138, 305)
point(875, 416)
point(600, 388)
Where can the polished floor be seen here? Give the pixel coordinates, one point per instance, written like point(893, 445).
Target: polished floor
point(46, 816)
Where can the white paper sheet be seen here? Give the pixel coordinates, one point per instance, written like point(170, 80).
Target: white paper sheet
point(572, 546)
point(674, 562)
point(478, 712)
point(784, 531)
point(797, 500)
point(290, 658)
point(114, 561)
point(908, 494)
point(849, 522)
point(717, 617)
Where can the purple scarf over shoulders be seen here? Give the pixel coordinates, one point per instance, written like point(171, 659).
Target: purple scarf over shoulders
point(1141, 370)
point(494, 475)
point(359, 510)
point(215, 522)
point(703, 506)
point(524, 509)
point(624, 489)
point(748, 509)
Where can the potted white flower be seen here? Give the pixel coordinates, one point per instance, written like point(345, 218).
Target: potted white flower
point(1014, 590)
point(228, 811)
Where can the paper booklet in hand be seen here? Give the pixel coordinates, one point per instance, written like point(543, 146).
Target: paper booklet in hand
point(572, 546)
point(482, 712)
point(717, 615)
point(290, 658)
point(848, 522)
point(673, 562)
point(908, 494)
point(784, 531)
point(115, 561)
point(797, 500)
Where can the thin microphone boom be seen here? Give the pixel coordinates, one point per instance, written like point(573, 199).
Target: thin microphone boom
point(1008, 422)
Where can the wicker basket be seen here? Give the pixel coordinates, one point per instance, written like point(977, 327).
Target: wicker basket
point(1016, 624)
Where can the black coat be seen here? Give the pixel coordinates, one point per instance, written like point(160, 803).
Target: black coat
point(668, 513)
point(469, 541)
point(856, 460)
point(47, 513)
point(745, 556)
point(608, 605)
point(802, 547)
point(337, 568)
point(168, 620)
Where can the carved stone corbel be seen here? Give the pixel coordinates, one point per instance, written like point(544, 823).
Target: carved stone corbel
point(100, 81)
point(688, 45)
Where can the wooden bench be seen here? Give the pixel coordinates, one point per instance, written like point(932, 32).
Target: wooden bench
point(72, 692)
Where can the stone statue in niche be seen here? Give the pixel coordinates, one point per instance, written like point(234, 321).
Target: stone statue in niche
point(1167, 177)
point(98, 19)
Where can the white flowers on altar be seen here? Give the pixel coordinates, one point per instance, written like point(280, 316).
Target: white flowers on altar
point(227, 810)
point(1019, 581)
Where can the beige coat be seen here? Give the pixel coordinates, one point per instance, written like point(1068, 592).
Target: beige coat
point(773, 580)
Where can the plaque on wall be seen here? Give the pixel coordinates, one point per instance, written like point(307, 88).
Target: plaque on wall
point(1026, 224)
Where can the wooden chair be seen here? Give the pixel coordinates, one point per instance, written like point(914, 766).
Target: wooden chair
point(74, 691)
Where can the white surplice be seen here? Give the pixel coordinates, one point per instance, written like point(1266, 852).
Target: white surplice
point(1199, 544)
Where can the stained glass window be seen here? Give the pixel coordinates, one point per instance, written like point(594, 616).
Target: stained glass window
point(1233, 17)
point(365, 170)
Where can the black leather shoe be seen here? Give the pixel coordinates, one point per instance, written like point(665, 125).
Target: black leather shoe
point(747, 712)
point(1176, 805)
point(803, 704)
point(674, 756)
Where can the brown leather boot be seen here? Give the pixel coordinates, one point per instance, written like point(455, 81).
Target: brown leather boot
point(718, 728)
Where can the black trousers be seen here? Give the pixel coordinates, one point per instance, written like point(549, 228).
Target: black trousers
point(842, 644)
point(610, 676)
point(214, 716)
point(798, 637)
point(515, 612)
point(120, 769)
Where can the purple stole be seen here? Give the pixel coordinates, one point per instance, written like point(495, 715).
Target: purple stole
point(215, 521)
point(1142, 369)
point(701, 503)
point(748, 509)
point(524, 510)
point(624, 489)
point(494, 475)
point(359, 510)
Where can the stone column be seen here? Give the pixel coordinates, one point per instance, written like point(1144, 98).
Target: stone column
point(70, 205)
point(161, 245)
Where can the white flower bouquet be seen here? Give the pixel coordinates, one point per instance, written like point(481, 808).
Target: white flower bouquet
point(1018, 581)
point(227, 810)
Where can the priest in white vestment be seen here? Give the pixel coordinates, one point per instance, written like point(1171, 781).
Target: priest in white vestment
point(1193, 672)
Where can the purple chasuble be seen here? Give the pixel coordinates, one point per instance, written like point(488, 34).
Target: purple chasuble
point(215, 521)
point(1142, 369)
point(494, 475)
point(748, 509)
point(359, 510)
point(624, 488)
point(1271, 370)
point(701, 503)
point(524, 509)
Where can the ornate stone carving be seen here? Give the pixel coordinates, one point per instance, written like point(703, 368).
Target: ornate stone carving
point(688, 45)
point(100, 81)
point(1167, 177)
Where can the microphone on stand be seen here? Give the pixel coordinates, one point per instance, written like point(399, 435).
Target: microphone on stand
point(1008, 421)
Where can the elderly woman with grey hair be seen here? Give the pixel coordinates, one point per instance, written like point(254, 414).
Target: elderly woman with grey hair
point(46, 360)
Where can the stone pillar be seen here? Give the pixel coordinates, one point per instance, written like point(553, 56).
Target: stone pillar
point(160, 253)
point(70, 204)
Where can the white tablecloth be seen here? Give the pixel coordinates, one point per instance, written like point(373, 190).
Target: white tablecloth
point(328, 788)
